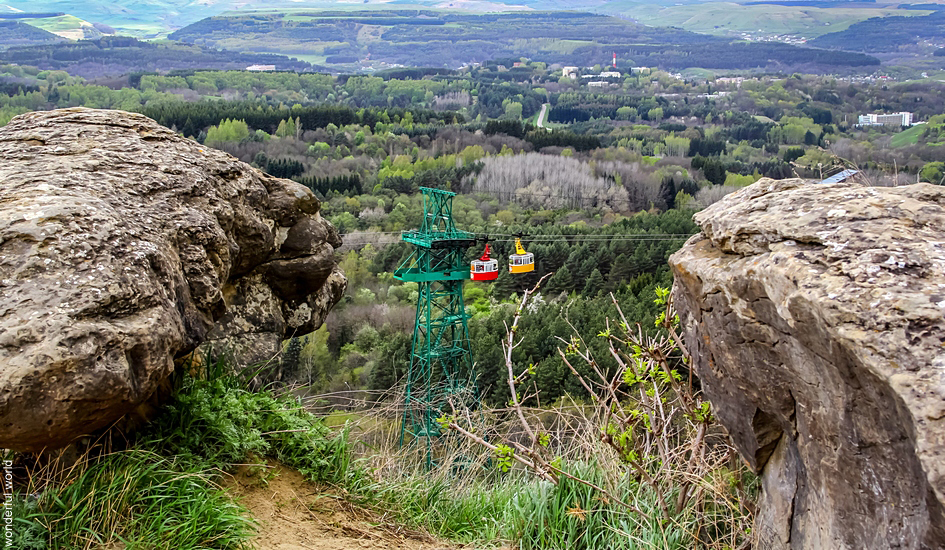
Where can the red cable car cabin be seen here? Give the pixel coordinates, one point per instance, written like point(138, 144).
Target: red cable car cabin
point(484, 269)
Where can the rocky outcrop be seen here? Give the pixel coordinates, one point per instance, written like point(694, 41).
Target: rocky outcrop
point(816, 318)
point(124, 246)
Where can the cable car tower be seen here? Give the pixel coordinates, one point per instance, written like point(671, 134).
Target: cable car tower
point(441, 366)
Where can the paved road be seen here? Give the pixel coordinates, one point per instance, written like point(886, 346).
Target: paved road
point(541, 115)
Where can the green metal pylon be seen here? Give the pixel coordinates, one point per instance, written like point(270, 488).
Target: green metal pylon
point(441, 366)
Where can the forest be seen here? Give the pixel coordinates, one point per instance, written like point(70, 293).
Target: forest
point(601, 191)
point(453, 40)
point(886, 34)
point(14, 33)
point(119, 55)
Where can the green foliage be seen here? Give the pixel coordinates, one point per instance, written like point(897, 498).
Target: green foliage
point(933, 172)
point(162, 492)
point(137, 497)
point(463, 508)
point(291, 358)
point(227, 130)
point(218, 422)
point(738, 180)
point(503, 457)
point(119, 55)
point(573, 515)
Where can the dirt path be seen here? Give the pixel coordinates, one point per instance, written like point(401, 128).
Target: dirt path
point(294, 514)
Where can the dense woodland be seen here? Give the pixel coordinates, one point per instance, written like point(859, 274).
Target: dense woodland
point(603, 195)
point(120, 55)
point(13, 33)
point(886, 34)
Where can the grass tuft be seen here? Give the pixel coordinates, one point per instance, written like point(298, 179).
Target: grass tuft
point(134, 497)
point(162, 491)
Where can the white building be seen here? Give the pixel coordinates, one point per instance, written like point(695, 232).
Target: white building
point(570, 72)
point(896, 119)
point(610, 74)
point(261, 68)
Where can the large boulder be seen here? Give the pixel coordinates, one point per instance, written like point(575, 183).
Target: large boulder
point(124, 246)
point(815, 315)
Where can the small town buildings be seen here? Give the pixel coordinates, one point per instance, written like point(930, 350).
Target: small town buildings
point(570, 72)
point(895, 119)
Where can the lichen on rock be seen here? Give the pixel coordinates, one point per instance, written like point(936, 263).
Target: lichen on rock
point(124, 246)
point(816, 318)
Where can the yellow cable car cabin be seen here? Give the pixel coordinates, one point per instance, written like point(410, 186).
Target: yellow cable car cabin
point(521, 261)
point(484, 269)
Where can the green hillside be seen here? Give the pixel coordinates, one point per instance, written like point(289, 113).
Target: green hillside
point(731, 18)
point(158, 18)
point(438, 38)
point(907, 137)
point(66, 26)
point(931, 134)
point(16, 33)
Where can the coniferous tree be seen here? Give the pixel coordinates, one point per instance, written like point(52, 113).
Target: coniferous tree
point(585, 269)
point(504, 286)
point(561, 281)
point(595, 283)
point(291, 359)
point(668, 193)
point(620, 272)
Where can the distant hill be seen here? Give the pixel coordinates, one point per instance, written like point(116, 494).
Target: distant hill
point(805, 19)
point(428, 38)
point(887, 34)
point(64, 25)
point(141, 18)
point(157, 18)
point(113, 56)
point(15, 33)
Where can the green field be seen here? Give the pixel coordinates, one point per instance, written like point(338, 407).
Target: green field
point(723, 18)
point(66, 26)
point(907, 137)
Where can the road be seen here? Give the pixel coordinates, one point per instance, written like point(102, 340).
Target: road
point(541, 115)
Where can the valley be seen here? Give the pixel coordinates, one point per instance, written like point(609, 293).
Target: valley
point(238, 261)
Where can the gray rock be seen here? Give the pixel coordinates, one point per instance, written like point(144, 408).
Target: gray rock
point(123, 247)
point(816, 318)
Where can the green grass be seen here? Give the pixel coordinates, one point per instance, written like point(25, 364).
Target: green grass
point(536, 515)
point(137, 498)
point(162, 491)
point(65, 25)
point(907, 137)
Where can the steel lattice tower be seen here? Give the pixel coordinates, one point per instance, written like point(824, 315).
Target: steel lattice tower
point(441, 366)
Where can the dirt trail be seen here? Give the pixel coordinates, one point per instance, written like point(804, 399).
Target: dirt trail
point(294, 514)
